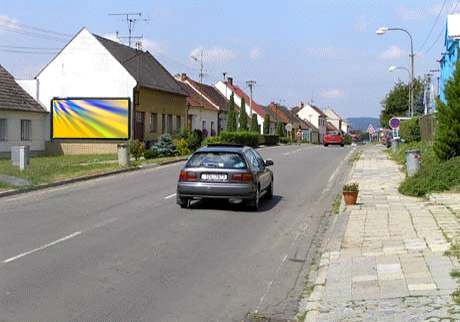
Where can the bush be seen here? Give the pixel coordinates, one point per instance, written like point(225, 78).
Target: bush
point(246, 138)
point(285, 140)
point(447, 138)
point(211, 140)
point(347, 139)
point(151, 154)
point(410, 129)
point(255, 124)
point(136, 148)
point(194, 139)
point(182, 147)
point(436, 177)
point(269, 139)
point(165, 146)
point(266, 129)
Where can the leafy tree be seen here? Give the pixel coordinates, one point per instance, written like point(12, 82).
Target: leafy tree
point(396, 102)
point(254, 123)
point(447, 139)
point(267, 124)
point(232, 115)
point(243, 117)
point(136, 148)
point(280, 129)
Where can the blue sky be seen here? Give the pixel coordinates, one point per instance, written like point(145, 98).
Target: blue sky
point(325, 51)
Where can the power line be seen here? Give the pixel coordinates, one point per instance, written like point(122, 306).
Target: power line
point(434, 24)
point(14, 25)
point(30, 33)
point(442, 31)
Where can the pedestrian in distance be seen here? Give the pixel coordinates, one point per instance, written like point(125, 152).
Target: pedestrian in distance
point(299, 136)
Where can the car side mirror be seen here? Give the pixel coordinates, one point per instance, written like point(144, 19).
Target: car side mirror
point(268, 162)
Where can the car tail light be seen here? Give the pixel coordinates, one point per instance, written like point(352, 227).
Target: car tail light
point(242, 177)
point(187, 176)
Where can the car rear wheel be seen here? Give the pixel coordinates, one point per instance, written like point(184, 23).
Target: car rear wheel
point(341, 144)
point(254, 203)
point(325, 144)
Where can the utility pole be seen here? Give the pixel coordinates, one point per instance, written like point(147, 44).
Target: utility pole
point(131, 23)
point(250, 83)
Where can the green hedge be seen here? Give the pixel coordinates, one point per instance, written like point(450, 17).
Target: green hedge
point(151, 154)
point(410, 130)
point(246, 138)
point(269, 139)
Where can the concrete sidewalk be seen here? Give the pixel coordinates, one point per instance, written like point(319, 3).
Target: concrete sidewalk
point(387, 263)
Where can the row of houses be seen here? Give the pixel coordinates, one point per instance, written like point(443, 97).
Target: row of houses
point(91, 66)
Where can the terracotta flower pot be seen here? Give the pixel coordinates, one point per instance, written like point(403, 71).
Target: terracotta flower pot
point(350, 197)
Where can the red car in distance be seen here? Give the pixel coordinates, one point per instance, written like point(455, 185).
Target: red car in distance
point(333, 138)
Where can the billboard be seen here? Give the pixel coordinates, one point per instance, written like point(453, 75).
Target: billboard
point(90, 118)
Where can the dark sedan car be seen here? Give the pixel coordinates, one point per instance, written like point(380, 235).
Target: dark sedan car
point(225, 171)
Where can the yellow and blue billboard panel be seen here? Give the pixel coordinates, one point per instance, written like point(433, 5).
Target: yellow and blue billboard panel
point(90, 118)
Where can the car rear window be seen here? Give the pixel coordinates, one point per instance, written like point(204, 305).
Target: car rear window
point(222, 160)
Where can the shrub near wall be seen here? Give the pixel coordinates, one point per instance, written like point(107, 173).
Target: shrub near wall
point(269, 139)
point(410, 129)
point(246, 138)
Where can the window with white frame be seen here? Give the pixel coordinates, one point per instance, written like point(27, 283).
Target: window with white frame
point(26, 130)
point(2, 129)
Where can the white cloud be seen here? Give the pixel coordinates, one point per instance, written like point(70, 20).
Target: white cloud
point(392, 53)
point(333, 93)
point(7, 23)
point(152, 46)
point(362, 23)
point(213, 55)
point(255, 53)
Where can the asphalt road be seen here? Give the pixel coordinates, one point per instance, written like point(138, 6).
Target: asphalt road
point(119, 248)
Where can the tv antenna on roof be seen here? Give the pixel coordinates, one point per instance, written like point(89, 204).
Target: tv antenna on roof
point(131, 24)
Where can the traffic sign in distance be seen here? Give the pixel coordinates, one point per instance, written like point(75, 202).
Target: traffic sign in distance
point(289, 127)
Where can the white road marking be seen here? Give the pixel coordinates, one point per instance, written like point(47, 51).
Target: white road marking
point(287, 153)
point(170, 196)
point(41, 248)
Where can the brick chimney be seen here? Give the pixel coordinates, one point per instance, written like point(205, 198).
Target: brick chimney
point(230, 80)
point(183, 76)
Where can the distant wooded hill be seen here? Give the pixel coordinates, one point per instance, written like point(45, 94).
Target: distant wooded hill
point(361, 123)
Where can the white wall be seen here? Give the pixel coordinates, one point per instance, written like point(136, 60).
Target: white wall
point(30, 86)
point(200, 115)
point(13, 130)
point(309, 114)
point(84, 68)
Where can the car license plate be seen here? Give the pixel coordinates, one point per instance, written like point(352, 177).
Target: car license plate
point(213, 177)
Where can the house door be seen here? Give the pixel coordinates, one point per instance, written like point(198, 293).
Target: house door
point(190, 122)
point(139, 126)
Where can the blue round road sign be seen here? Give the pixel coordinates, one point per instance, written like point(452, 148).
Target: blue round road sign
point(394, 123)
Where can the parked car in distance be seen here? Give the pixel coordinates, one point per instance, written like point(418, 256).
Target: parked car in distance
point(225, 171)
point(386, 140)
point(333, 138)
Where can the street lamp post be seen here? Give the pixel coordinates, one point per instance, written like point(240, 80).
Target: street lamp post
point(392, 69)
point(382, 31)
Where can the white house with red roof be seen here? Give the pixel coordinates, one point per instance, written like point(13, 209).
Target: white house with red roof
point(315, 116)
point(227, 88)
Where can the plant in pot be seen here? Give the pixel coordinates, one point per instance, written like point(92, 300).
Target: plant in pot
point(350, 193)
